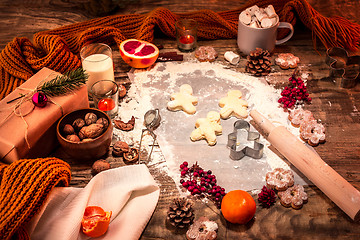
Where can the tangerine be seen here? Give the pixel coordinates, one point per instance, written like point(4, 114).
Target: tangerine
point(95, 221)
point(238, 206)
point(138, 53)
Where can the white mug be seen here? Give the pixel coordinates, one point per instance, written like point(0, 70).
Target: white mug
point(251, 38)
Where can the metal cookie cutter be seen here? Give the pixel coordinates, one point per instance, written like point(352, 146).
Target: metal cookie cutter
point(151, 121)
point(343, 66)
point(242, 129)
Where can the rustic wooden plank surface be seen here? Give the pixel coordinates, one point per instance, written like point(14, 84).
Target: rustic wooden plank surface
point(337, 107)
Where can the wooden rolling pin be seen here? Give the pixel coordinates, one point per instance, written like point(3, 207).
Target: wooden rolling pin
point(341, 192)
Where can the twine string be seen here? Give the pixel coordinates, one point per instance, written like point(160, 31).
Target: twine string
point(16, 109)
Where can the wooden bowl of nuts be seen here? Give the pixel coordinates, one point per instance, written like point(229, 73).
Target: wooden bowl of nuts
point(85, 134)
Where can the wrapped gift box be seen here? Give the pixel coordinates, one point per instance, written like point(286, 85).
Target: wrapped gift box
point(29, 132)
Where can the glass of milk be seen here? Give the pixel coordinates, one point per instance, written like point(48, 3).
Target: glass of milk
point(96, 59)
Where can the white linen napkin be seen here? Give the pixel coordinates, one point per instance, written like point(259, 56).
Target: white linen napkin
point(130, 192)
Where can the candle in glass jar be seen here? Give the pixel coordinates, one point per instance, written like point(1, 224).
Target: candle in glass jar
point(105, 94)
point(186, 34)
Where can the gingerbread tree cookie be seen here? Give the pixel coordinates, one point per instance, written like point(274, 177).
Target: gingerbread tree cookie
point(183, 100)
point(233, 105)
point(207, 128)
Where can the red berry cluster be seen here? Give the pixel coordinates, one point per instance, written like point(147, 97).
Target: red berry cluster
point(201, 183)
point(295, 93)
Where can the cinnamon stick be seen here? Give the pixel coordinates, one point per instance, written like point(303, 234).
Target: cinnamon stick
point(332, 184)
point(169, 56)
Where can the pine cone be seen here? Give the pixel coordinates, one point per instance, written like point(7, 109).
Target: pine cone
point(181, 213)
point(266, 197)
point(259, 63)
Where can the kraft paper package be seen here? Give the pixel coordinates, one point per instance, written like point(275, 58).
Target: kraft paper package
point(28, 131)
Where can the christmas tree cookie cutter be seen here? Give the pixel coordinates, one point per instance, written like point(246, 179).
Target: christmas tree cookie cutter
point(240, 138)
point(152, 120)
point(343, 66)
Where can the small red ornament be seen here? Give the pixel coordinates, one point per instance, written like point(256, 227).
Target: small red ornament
point(266, 197)
point(39, 99)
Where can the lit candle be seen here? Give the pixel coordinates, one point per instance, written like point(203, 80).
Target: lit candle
point(106, 104)
point(186, 42)
point(188, 39)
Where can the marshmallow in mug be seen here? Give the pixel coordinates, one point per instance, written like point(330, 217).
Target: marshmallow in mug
point(256, 17)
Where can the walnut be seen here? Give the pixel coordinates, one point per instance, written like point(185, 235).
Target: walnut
point(104, 122)
point(119, 148)
point(73, 138)
point(81, 134)
point(90, 118)
point(122, 91)
point(68, 129)
point(132, 155)
point(99, 166)
point(125, 126)
point(87, 140)
point(92, 131)
point(78, 124)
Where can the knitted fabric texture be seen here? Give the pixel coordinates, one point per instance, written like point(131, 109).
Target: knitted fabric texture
point(58, 49)
point(25, 185)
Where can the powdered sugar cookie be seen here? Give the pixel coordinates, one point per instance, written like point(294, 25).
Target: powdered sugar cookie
point(287, 60)
point(183, 100)
point(233, 105)
point(206, 54)
point(279, 179)
point(312, 132)
point(203, 229)
point(294, 197)
point(207, 128)
point(299, 115)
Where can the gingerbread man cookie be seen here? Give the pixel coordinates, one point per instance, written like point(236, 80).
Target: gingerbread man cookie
point(183, 100)
point(207, 128)
point(233, 105)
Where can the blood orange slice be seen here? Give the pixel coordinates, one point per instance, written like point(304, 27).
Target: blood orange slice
point(95, 221)
point(138, 54)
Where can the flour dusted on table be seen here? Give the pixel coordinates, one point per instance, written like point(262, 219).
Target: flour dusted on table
point(152, 88)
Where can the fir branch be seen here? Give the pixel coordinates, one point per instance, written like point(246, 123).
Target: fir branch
point(64, 84)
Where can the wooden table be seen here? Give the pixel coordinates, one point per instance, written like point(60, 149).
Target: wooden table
point(337, 107)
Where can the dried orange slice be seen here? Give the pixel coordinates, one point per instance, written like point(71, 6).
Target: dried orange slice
point(138, 54)
point(95, 221)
